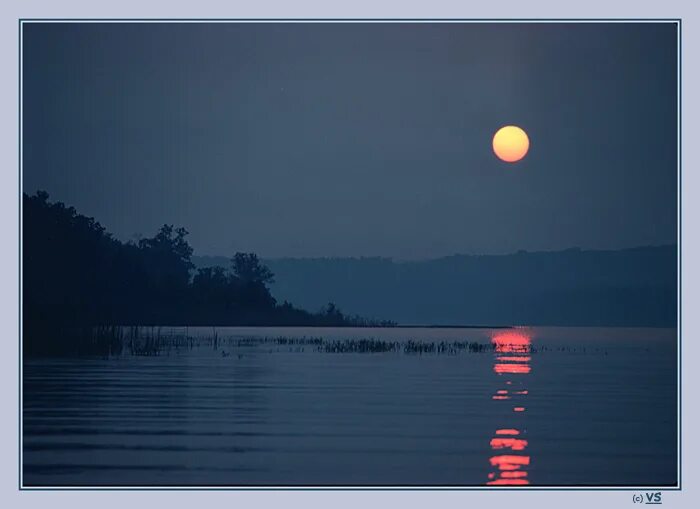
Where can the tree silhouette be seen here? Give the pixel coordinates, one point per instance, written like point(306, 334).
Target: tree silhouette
point(248, 268)
point(76, 275)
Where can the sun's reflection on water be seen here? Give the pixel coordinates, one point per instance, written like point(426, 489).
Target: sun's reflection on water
point(510, 463)
point(515, 444)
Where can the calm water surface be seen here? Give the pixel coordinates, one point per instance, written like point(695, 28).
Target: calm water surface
point(541, 406)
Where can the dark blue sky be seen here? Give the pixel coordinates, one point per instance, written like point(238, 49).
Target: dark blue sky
point(357, 139)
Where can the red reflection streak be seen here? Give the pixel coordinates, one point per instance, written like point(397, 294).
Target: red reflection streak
point(512, 350)
point(511, 342)
point(511, 368)
point(512, 474)
point(507, 431)
point(516, 444)
point(509, 461)
point(509, 482)
point(523, 358)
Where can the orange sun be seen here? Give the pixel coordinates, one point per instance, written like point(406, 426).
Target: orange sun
point(510, 143)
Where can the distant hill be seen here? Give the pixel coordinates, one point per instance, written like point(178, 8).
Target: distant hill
point(629, 287)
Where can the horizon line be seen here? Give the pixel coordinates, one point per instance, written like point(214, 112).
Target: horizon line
point(457, 254)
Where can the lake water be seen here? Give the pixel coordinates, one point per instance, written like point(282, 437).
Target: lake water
point(534, 407)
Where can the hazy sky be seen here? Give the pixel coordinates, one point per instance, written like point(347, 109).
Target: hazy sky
point(357, 139)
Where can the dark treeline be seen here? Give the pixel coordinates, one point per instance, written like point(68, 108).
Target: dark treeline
point(77, 275)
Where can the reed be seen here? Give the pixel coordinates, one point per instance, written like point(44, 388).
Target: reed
point(153, 341)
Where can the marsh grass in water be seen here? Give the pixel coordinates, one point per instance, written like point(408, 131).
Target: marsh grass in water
point(109, 341)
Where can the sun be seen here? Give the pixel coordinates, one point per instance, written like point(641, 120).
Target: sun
point(510, 143)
